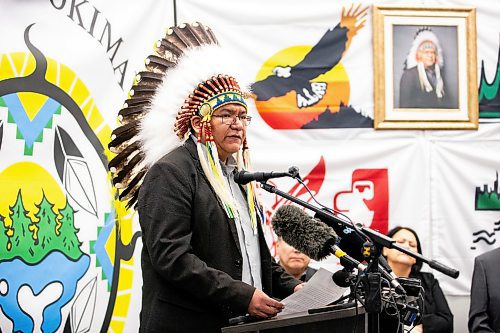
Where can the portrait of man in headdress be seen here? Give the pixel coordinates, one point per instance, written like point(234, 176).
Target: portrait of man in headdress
point(426, 83)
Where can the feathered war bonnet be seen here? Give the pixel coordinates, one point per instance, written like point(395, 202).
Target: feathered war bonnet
point(188, 75)
point(426, 38)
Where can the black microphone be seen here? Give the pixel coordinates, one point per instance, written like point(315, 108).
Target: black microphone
point(294, 172)
point(390, 275)
point(244, 177)
point(310, 236)
point(317, 240)
point(341, 278)
point(348, 239)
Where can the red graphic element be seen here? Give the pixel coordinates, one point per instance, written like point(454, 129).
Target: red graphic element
point(314, 180)
point(367, 200)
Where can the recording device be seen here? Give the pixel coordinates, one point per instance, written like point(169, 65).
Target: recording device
point(393, 278)
point(408, 305)
point(412, 286)
point(348, 239)
point(342, 278)
point(315, 239)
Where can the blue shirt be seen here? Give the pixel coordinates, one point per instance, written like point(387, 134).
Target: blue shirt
point(249, 241)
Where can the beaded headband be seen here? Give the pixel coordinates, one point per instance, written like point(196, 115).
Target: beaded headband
point(205, 99)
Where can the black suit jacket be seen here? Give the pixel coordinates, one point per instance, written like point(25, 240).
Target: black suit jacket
point(191, 259)
point(437, 316)
point(411, 94)
point(484, 312)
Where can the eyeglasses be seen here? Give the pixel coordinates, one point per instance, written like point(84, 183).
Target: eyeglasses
point(230, 119)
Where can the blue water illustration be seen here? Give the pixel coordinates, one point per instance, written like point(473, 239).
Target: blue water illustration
point(56, 267)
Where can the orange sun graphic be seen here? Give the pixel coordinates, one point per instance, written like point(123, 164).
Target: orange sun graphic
point(282, 112)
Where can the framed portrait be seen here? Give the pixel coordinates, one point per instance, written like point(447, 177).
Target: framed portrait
point(425, 71)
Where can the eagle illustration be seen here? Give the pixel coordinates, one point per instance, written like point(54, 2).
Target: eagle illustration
point(323, 56)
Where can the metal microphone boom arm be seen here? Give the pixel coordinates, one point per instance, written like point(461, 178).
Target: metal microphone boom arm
point(380, 240)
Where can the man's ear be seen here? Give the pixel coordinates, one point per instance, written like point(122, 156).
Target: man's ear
point(196, 124)
point(278, 246)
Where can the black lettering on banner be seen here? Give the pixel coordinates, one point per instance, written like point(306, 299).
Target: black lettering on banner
point(94, 19)
point(122, 69)
point(77, 7)
point(90, 19)
point(63, 3)
point(107, 28)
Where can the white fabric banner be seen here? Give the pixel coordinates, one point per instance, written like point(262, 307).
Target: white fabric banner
point(465, 205)
point(269, 36)
point(65, 70)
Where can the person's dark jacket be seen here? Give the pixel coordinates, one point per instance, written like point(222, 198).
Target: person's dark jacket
point(411, 94)
point(437, 316)
point(191, 258)
point(484, 312)
point(308, 274)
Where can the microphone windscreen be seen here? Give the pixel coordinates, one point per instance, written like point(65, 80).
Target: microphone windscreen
point(310, 236)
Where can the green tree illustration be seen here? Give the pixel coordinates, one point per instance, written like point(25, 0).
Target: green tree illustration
point(66, 239)
point(46, 227)
point(33, 240)
point(4, 239)
point(22, 242)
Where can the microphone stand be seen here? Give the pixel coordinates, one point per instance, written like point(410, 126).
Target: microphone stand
point(372, 286)
point(371, 251)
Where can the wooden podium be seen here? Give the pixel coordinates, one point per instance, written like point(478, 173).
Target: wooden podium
point(333, 321)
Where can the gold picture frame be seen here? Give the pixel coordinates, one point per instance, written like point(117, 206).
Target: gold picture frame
point(410, 91)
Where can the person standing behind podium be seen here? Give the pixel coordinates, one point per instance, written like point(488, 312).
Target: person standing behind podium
point(293, 261)
point(204, 257)
point(484, 312)
point(436, 314)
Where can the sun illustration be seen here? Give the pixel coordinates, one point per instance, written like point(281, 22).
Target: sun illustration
point(33, 181)
point(282, 112)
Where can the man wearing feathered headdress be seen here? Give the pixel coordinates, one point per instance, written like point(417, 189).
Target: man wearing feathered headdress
point(183, 134)
point(422, 84)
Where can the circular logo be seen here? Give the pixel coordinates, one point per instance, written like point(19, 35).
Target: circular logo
point(60, 251)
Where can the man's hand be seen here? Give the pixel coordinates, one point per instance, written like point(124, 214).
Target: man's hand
point(298, 287)
point(263, 306)
point(419, 328)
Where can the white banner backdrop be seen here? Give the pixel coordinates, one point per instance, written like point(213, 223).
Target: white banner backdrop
point(54, 130)
point(465, 220)
point(267, 34)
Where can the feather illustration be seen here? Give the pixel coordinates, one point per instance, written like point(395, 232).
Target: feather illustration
point(82, 311)
point(74, 172)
